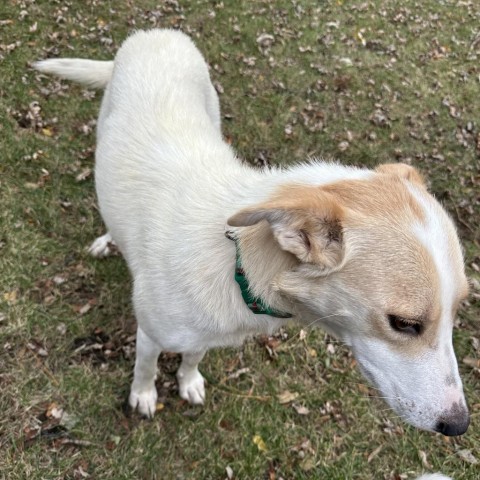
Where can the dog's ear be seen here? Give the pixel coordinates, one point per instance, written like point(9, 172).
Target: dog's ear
point(306, 222)
point(402, 170)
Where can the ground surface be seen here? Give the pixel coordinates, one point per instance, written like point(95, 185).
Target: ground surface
point(365, 82)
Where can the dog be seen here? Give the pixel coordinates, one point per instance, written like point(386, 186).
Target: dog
point(368, 255)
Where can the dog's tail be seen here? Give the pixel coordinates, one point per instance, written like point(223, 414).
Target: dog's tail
point(92, 73)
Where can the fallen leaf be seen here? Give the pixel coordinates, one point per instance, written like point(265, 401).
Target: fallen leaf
point(288, 130)
point(287, 397)
point(307, 464)
point(84, 309)
point(374, 453)
point(301, 409)
point(54, 411)
point(346, 61)
point(331, 349)
point(238, 373)
point(79, 472)
point(265, 40)
point(83, 175)
point(423, 458)
point(258, 441)
point(472, 362)
point(31, 432)
point(68, 420)
point(59, 280)
point(11, 297)
point(37, 347)
point(467, 456)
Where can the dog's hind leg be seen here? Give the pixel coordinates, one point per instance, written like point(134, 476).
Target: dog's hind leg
point(102, 246)
point(143, 394)
point(190, 380)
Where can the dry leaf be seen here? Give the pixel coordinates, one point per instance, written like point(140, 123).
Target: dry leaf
point(11, 297)
point(258, 441)
point(54, 411)
point(83, 175)
point(265, 40)
point(467, 456)
point(374, 453)
point(84, 309)
point(301, 409)
point(423, 458)
point(287, 397)
point(238, 373)
point(472, 362)
point(36, 347)
point(307, 464)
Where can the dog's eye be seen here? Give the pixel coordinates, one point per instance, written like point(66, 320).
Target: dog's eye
point(402, 325)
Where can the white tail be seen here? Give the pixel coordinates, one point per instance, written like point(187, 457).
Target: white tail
point(92, 73)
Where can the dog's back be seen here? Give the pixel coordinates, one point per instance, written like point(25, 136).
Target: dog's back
point(160, 77)
point(152, 121)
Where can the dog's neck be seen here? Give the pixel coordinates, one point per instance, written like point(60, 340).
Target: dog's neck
point(262, 261)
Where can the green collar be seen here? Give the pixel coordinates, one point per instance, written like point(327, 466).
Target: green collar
point(255, 304)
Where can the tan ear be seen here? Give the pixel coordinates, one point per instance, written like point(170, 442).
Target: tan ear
point(402, 170)
point(305, 221)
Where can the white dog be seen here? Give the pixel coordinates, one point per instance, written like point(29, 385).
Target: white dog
point(369, 255)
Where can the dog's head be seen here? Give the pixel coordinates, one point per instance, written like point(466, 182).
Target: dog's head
point(378, 262)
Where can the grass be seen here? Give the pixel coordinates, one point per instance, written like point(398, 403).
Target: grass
point(364, 82)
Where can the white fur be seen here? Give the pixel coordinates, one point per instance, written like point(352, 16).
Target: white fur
point(167, 183)
point(101, 246)
point(92, 73)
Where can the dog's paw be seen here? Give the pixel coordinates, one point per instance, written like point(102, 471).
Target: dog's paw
point(101, 246)
point(191, 386)
point(144, 401)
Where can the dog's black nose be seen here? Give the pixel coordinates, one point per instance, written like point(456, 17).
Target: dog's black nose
point(454, 422)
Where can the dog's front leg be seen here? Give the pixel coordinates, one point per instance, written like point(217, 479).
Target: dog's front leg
point(143, 394)
point(190, 380)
